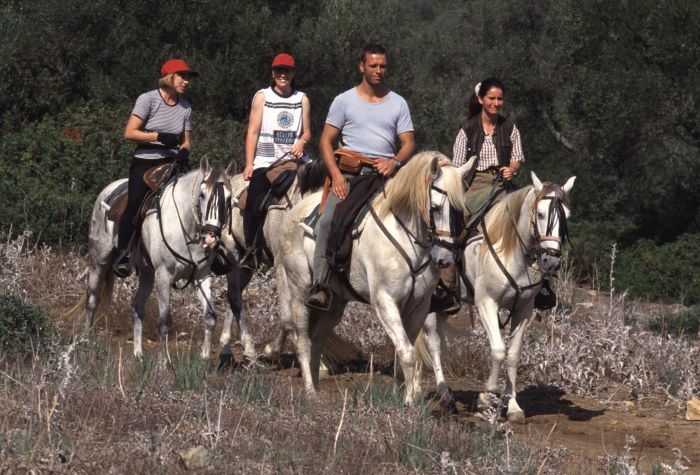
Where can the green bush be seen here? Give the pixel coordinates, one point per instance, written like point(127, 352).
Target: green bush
point(23, 327)
point(668, 272)
point(683, 323)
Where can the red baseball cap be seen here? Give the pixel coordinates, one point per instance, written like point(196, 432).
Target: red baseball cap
point(176, 66)
point(283, 60)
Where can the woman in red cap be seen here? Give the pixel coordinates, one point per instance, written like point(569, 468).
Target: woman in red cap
point(161, 125)
point(279, 128)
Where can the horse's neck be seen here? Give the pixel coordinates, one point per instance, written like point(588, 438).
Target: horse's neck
point(179, 200)
point(525, 224)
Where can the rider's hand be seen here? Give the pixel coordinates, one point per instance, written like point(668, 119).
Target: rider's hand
point(181, 161)
point(508, 173)
point(298, 148)
point(338, 186)
point(169, 140)
point(248, 172)
point(386, 166)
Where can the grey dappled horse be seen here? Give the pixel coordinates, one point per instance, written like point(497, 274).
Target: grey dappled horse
point(505, 266)
point(394, 263)
point(171, 249)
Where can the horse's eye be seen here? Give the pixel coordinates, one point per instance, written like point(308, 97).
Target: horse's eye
point(435, 208)
point(540, 215)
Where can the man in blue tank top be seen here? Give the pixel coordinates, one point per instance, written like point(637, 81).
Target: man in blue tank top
point(367, 119)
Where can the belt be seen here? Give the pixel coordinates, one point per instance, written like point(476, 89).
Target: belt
point(490, 171)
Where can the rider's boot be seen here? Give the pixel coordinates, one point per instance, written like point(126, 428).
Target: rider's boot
point(319, 297)
point(122, 265)
point(252, 222)
point(444, 298)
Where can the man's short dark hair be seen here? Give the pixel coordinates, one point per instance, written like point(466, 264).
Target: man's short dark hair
point(372, 48)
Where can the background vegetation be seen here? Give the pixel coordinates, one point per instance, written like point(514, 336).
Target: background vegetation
point(605, 90)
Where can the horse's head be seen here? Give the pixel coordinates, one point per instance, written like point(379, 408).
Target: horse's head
point(550, 214)
point(214, 201)
point(445, 211)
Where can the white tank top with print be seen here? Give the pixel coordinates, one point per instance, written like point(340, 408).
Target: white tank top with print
point(280, 128)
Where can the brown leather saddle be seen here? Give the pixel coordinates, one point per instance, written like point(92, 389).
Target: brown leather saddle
point(272, 174)
point(154, 178)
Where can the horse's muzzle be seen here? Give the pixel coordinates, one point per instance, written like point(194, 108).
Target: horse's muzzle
point(550, 263)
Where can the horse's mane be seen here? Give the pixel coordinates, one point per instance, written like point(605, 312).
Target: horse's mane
point(311, 176)
point(502, 218)
point(407, 192)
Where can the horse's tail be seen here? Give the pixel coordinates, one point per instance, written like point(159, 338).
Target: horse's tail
point(104, 300)
point(445, 330)
point(422, 353)
point(337, 349)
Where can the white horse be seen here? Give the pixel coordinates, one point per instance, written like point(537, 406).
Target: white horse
point(309, 177)
point(505, 268)
point(394, 262)
point(171, 249)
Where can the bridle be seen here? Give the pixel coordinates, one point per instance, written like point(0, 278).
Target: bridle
point(217, 202)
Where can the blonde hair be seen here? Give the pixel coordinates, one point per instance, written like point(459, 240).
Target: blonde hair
point(167, 81)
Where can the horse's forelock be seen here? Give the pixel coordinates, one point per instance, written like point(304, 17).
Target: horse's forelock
point(559, 194)
point(214, 176)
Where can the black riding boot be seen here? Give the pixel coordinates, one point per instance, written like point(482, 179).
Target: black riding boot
point(251, 227)
point(546, 298)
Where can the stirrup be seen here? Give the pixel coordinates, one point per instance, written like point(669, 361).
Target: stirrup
point(122, 265)
point(249, 261)
point(319, 298)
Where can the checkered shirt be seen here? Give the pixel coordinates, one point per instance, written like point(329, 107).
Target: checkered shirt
point(487, 156)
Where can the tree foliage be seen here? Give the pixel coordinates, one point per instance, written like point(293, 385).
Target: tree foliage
point(605, 90)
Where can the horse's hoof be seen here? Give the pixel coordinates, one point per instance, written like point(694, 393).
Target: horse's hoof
point(516, 417)
point(226, 361)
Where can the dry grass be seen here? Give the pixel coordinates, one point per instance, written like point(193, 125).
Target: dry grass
point(88, 407)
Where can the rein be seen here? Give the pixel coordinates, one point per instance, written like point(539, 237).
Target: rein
point(219, 197)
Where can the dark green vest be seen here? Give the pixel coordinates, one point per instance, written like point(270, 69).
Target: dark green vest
point(474, 131)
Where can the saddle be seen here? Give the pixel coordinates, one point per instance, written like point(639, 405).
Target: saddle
point(281, 175)
point(155, 178)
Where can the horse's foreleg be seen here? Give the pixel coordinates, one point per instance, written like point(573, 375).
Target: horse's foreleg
point(205, 297)
point(139, 309)
point(488, 312)
point(303, 345)
point(519, 324)
point(236, 283)
point(390, 318)
point(434, 338)
point(97, 279)
point(163, 284)
point(285, 312)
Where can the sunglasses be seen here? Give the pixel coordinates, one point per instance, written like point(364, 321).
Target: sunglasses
point(283, 70)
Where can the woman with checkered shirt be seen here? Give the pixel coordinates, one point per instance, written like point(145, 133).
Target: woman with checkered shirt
point(490, 136)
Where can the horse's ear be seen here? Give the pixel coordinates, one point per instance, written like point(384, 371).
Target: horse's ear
point(204, 165)
point(568, 185)
point(231, 168)
point(536, 181)
point(467, 169)
point(435, 166)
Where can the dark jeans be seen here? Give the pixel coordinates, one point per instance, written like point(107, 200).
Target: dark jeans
point(253, 215)
point(136, 193)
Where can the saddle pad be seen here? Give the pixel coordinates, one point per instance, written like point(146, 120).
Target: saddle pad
point(116, 202)
point(272, 202)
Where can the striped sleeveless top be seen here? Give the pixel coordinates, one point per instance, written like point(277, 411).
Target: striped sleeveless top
point(280, 128)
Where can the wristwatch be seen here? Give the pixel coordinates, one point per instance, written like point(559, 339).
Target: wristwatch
point(398, 162)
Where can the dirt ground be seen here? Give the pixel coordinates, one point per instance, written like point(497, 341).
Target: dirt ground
point(588, 427)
